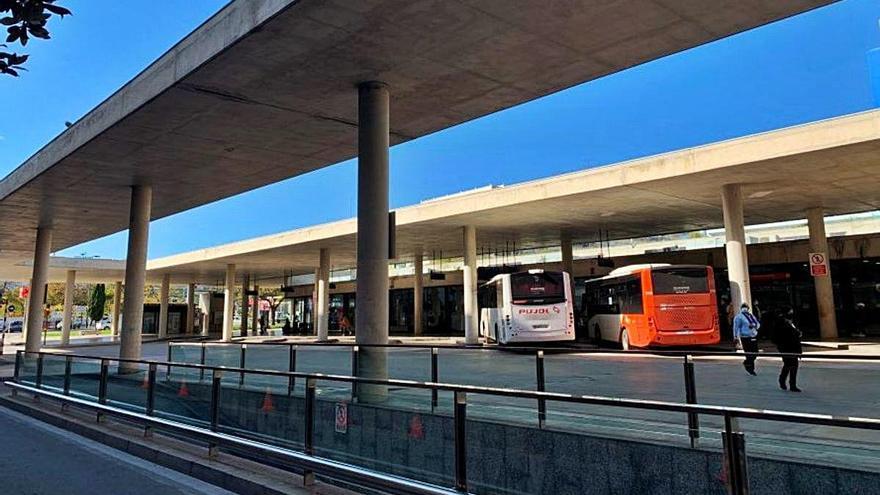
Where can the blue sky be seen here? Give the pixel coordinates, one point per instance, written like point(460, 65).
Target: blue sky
point(810, 67)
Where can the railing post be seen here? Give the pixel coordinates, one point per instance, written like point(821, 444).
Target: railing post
point(241, 363)
point(216, 379)
point(435, 376)
point(202, 362)
point(39, 379)
point(539, 376)
point(309, 428)
point(102, 384)
point(460, 428)
point(291, 367)
point(354, 370)
point(735, 461)
point(68, 365)
point(18, 359)
point(690, 392)
point(168, 360)
point(151, 389)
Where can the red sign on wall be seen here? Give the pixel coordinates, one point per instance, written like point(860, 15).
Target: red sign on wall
point(818, 265)
point(24, 291)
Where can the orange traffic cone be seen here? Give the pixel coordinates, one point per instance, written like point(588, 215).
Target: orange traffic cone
point(146, 383)
point(268, 406)
point(416, 429)
point(184, 390)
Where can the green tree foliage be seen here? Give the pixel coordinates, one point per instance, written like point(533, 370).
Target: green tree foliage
point(96, 303)
point(24, 19)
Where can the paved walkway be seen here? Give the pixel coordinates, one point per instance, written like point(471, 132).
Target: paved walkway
point(41, 459)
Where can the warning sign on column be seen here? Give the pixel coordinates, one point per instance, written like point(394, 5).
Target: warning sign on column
point(818, 264)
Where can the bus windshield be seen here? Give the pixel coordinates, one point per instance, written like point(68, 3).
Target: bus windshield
point(680, 280)
point(537, 288)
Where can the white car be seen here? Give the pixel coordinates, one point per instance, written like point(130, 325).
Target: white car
point(103, 324)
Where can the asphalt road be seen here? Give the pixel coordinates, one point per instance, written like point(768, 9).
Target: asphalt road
point(41, 459)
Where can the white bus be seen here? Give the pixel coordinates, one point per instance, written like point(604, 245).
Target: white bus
point(532, 306)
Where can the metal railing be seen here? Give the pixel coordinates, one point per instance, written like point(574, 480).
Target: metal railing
point(689, 382)
point(733, 439)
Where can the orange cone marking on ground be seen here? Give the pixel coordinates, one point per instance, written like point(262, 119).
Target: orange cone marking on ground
point(267, 402)
point(146, 383)
point(416, 429)
point(184, 390)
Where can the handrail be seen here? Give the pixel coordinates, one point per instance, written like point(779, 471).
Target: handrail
point(743, 412)
point(546, 350)
point(309, 463)
point(733, 439)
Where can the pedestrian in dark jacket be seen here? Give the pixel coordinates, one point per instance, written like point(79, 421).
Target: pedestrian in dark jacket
point(788, 341)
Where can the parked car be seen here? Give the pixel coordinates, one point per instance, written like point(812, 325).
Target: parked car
point(103, 324)
point(16, 326)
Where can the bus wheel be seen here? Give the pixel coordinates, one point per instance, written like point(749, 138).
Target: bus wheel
point(624, 339)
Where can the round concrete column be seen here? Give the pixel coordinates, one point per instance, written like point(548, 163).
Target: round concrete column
point(735, 245)
point(567, 259)
point(135, 275)
point(371, 316)
point(323, 297)
point(469, 275)
point(822, 283)
point(255, 318)
point(190, 308)
point(117, 308)
point(67, 314)
point(418, 291)
point(42, 247)
point(228, 303)
point(245, 300)
point(164, 294)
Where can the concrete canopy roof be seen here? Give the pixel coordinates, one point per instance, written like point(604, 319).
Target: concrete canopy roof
point(265, 90)
point(18, 266)
point(833, 163)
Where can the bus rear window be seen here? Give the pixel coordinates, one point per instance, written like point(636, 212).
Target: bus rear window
point(680, 281)
point(537, 287)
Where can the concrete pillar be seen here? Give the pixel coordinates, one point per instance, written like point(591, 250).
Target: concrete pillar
point(164, 294)
point(323, 299)
point(190, 308)
point(205, 305)
point(371, 321)
point(255, 318)
point(371, 318)
point(471, 313)
point(567, 259)
point(228, 303)
point(735, 245)
point(117, 307)
point(135, 275)
point(67, 314)
point(822, 283)
point(42, 247)
point(245, 300)
point(418, 291)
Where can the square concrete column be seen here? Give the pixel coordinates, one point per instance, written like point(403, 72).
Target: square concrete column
point(164, 294)
point(228, 303)
point(67, 314)
point(117, 307)
point(190, 308)
point(42, 247)
point(135, 275)
point(322, 309)
point(469, 275)
point(255, 318)
point(418, 291)
point(735, 245)
point(205, 304)
point(822, 283)
point(245, 302)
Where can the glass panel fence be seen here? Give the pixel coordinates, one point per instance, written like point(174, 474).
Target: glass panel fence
point(264, 413)
point(53, 372)
point(85, 377)
point(185, 353)
point(127, 386)
point(182, 395)
point(27, 368)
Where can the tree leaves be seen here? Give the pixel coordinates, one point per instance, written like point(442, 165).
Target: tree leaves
point(25, 19)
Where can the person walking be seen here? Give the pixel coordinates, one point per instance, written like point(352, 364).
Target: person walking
point(787, 338)
point(745, 331)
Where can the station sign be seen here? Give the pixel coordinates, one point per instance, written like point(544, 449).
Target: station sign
point(818, 265)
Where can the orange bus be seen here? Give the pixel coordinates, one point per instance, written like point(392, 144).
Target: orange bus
point(653, 305)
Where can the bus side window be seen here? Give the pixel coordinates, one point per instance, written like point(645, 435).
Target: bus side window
point(632, 296)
